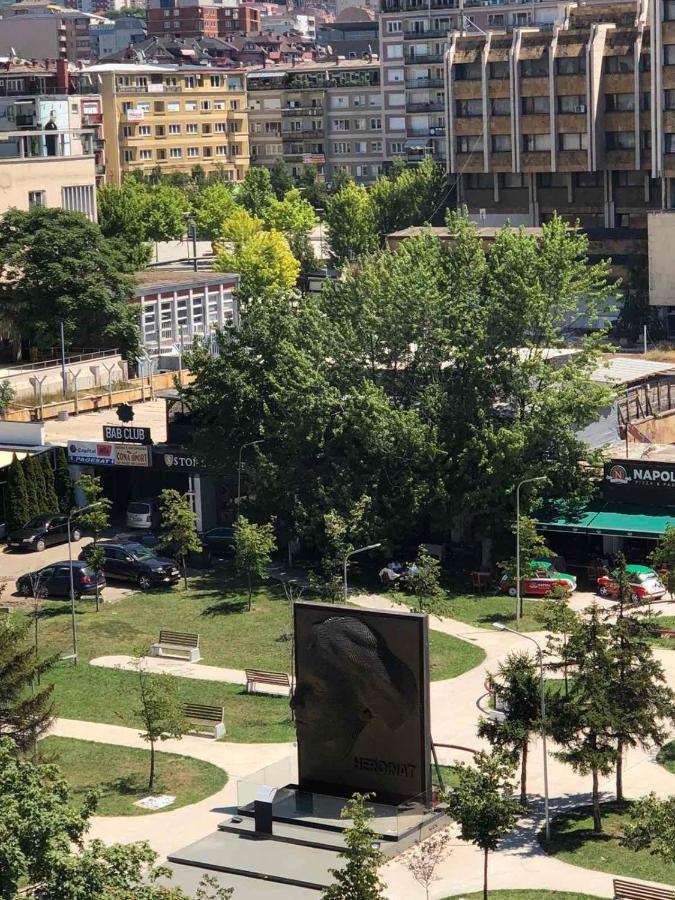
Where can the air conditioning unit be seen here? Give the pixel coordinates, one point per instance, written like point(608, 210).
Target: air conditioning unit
point(580, 109)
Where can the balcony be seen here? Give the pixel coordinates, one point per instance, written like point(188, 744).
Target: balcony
point(431, 106)
point(24, 121)
point(149, 89)
point(92, 118)
point(428, 33)
point(421, 83)
point(303, 111)
point(422, 59)
point(427, 131)
point(289, 135)
point(40, 145)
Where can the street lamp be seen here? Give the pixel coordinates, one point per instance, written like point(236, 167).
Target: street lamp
point(540, 656)
point(353, 553)
point(74, 514)
point(518, 598)
point(241, 450)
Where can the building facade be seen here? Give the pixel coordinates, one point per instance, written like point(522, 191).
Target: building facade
point(174, 118)
point(200, 18)
point(323, 114)
point(36, 29)
point(116, 36)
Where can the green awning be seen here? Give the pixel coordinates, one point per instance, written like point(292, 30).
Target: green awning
point(596, 517)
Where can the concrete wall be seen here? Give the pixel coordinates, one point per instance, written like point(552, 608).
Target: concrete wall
point(661, 240)
point(92, 374)
point(32, 37)
point(49, 174)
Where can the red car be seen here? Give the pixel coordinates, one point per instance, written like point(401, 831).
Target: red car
point(644, 583)
point(540, 582)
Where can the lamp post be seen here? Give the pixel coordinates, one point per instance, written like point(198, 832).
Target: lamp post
point(74, 514)
point(540, 656)
point(353, 553)
point(518, 597)
point(241, 450)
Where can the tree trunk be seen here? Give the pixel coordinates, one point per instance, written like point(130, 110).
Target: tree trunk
point(486, 552)
point(597, 816)
point(485, 874)
point(152, 766)
point(523, 775)
point(184, 572)
point(619, 770)
point(250, 592)
point(97, 597)
point(565, 663)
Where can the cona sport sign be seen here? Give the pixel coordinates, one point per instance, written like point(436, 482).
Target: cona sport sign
point(627, 480)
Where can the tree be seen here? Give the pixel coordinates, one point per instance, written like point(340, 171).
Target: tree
point(63, 482)
point(358, 878)
point(238, 229)
point(26, 708)
point(294, 217)
point(35, 477)
point(642, 701)
point(56, 266)
point(214, 204)
point(652, 827)
point(95, 519)
point(351, 224)
point(160, 710)
point(533, 547)
point(18, 510)
point(179, 527)
point(556, 615)
point(425, 856)
point(265, 265)
point(423, 579)
point(313, 186)
point(255, 192)
point(481, 804)
point(280, 178)
point(583, 723)
point(165, 213)
point(517, 686)
point(663, 557)
point(51, 500)
point(253, 548)
point(122, 217)
point(7, 394)
point(410, 196)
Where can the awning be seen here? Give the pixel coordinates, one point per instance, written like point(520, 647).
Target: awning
point(624, 520)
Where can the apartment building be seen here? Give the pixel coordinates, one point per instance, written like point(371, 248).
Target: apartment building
point(173, 117)
point(323, 114)
point(199, 18)
point(37, 29)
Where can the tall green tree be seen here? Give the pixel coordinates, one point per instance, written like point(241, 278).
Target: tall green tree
point(253, 548)
point(584, 722)
point(255, 192)
point(516, 683)
point(96, 519)
point(280, 178)
point(482, 805)
point(358, 878)
point(213, 205)
point(63, 482)
point(663, 557)
point(52, 501)
point(643, 704)
point(32, 489)
point(35, 476)
point(556, 615)
point(265, 264)
point(294, 217)
point(26, 706)
point(56, 266)
point(122, 219)
point(160, 710)
point(351, 224)
point(18, 510)
point(179, 527)
point(165, 213)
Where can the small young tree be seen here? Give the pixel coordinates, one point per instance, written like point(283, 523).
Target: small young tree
point(663, 557)
point(253, 548)
point(179, 527)
point(6, 396)
point(423, 579)
point(96, 520)
point(358, 879)
point(556, 615)
point(160, 710)
point(517, 685)
point(533, 547)
point(652, 827)
point(17, 510)
point(26, 710)
point(482, 804)
point(63, 482)
point(424, 857)
point(52, 501)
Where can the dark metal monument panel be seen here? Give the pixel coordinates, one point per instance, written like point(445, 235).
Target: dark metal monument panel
point(362, 701)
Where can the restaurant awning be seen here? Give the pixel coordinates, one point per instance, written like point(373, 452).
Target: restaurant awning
point(620, 519)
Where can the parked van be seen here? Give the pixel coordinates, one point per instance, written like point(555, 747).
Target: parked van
point(142, 514)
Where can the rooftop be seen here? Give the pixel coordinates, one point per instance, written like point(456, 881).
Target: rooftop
point(629, 369)
point(264, 71)
point(157, 280)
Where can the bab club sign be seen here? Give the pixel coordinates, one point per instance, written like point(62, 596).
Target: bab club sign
point(626, 480)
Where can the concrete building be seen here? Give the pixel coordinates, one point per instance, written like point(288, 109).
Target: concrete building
point(173, 117)
point(37, 29)
point(355, 34)
point(323, 114)
point(200, 18)
point(113, 37)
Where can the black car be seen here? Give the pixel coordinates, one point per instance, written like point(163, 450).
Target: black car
point(41, 532)
point(54, 581)
point(219, 541)
point(131, 561)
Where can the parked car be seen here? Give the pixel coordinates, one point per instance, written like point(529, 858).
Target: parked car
point(54, 581)
point(43, 531)
point(142, 513)
point(219, 541)
point(644, 583)
point(540, 581)
point(131, 561)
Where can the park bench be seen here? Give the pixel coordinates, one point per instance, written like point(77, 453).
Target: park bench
point(177, 644)
point(257, 676)
point(206, 717)
point(633, 890)
point(666, 633)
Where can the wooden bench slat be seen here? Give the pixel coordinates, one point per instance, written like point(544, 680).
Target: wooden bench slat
point(179, 637)
point(633, 890)
point(209, 716)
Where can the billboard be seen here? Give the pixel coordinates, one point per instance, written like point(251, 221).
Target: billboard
point(104, 453)
point(637, 481)
point(361, 701)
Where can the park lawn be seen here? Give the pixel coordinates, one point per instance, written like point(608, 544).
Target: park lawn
point(525, 895)
point(666, 756)
point(664, 622)
point(450, 656)
point(573, 841)
point(94, 694)
point(120, 775)
point(449, 775)
point(483, 610)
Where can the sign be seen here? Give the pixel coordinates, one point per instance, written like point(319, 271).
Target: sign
point(91, 453)
point(178, 461)
point(316, 159)
point(135, 115)
point(637, 480)
point(130, 434)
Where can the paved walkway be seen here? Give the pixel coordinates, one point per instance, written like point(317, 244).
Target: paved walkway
point(163, 665)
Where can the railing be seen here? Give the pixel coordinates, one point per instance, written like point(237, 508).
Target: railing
point(303, 111)
point(421, 59)
point(149, 89)
point(421, 83)
point(427, 131)
point(428, 33)
point(431, 106)
point(46, 144)
point(56, 361)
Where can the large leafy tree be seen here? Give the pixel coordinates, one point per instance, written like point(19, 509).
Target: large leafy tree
point(213, 206)
point(409, 196)
point(255, 192)
point(280, 178)
point(265, 264)
point(122, 219)
point(63, 482)
point(56, 266)
point(652, 827)
point(294, 217)
point(351, 223)
point(165, 213)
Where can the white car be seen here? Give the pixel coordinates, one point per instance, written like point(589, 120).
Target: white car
point(141, 514)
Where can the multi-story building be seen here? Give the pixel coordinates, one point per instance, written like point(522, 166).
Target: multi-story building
point(113, 37)
point(174, 118)
point(37, 29)
point(200, 18)
point(323, 114)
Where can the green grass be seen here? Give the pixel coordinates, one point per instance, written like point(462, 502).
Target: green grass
point(666, 756)
point(449, 656)
point(449, 775)
point(483, 610)
point(120, 775)
point(525, 895)
point(573, 841)
point(664, 622)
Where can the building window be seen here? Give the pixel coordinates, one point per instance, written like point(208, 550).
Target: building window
point(396, 123)
point(498, 69)
point(193, 151)
point(629, 179)
point(394, 26)
point(36, 198)
point(619, 102)
point(175, 152)
point(669, 99)
point(127, 131)
point(128, 156)
point(646, 140)
point(469, 108)
point(192, 128)
point(145, 154)
point(221, 150)
point(501, 106)
point(468, 71)
point(570, 65)
point(645, 100)
point(360, 147)
point(376, 147)
point(174, 129)
point(375, 124)
point(397, 147)
point(619, 140)
point(342, 147)
point(395, 75)
point(190, 81)
point(512, 180)
point(571, 103)
point(80, 198)
point(396, 99)
point(501, 143)
point(533, 143)
point(534, 68)
point(144, 130)
point(215, 81)
point(359, 124)
point(669, 143)
point(159, 106)
point(589, 179)
point(668, 10)
point(572, 141)
point(338, 125)
point(478, 182)
point(190, 106)
point(535, 105)
point(620, 65)
point(205, 105)
point(394, 51)
point(467, 143)
point(159, 130)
